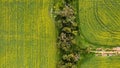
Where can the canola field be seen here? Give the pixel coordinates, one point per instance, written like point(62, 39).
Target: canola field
point(27, 34)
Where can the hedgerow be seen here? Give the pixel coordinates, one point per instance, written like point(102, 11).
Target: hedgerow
point(65, 18)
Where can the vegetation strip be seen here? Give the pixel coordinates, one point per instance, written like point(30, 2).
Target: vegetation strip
point(67, 26)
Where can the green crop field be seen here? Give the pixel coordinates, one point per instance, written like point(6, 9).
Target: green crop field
point(27, 34)
point(101, 62)
point(100, 26)
point(100, 21)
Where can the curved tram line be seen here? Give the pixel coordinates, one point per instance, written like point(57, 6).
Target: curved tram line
point(100, 25)
point(100, 21)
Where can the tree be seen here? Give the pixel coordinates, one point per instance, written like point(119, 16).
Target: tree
point(63, 36)
point(68, 65)
point(75, 32)
point(65, 47)
point(67, 11)
point(74, 66)
point(67, 29)
point(69, 1)
point(64, 57)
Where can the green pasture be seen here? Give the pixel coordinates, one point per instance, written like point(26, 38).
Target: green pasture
point(27, 34)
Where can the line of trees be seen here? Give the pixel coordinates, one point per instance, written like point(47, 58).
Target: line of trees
point(66, 23)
